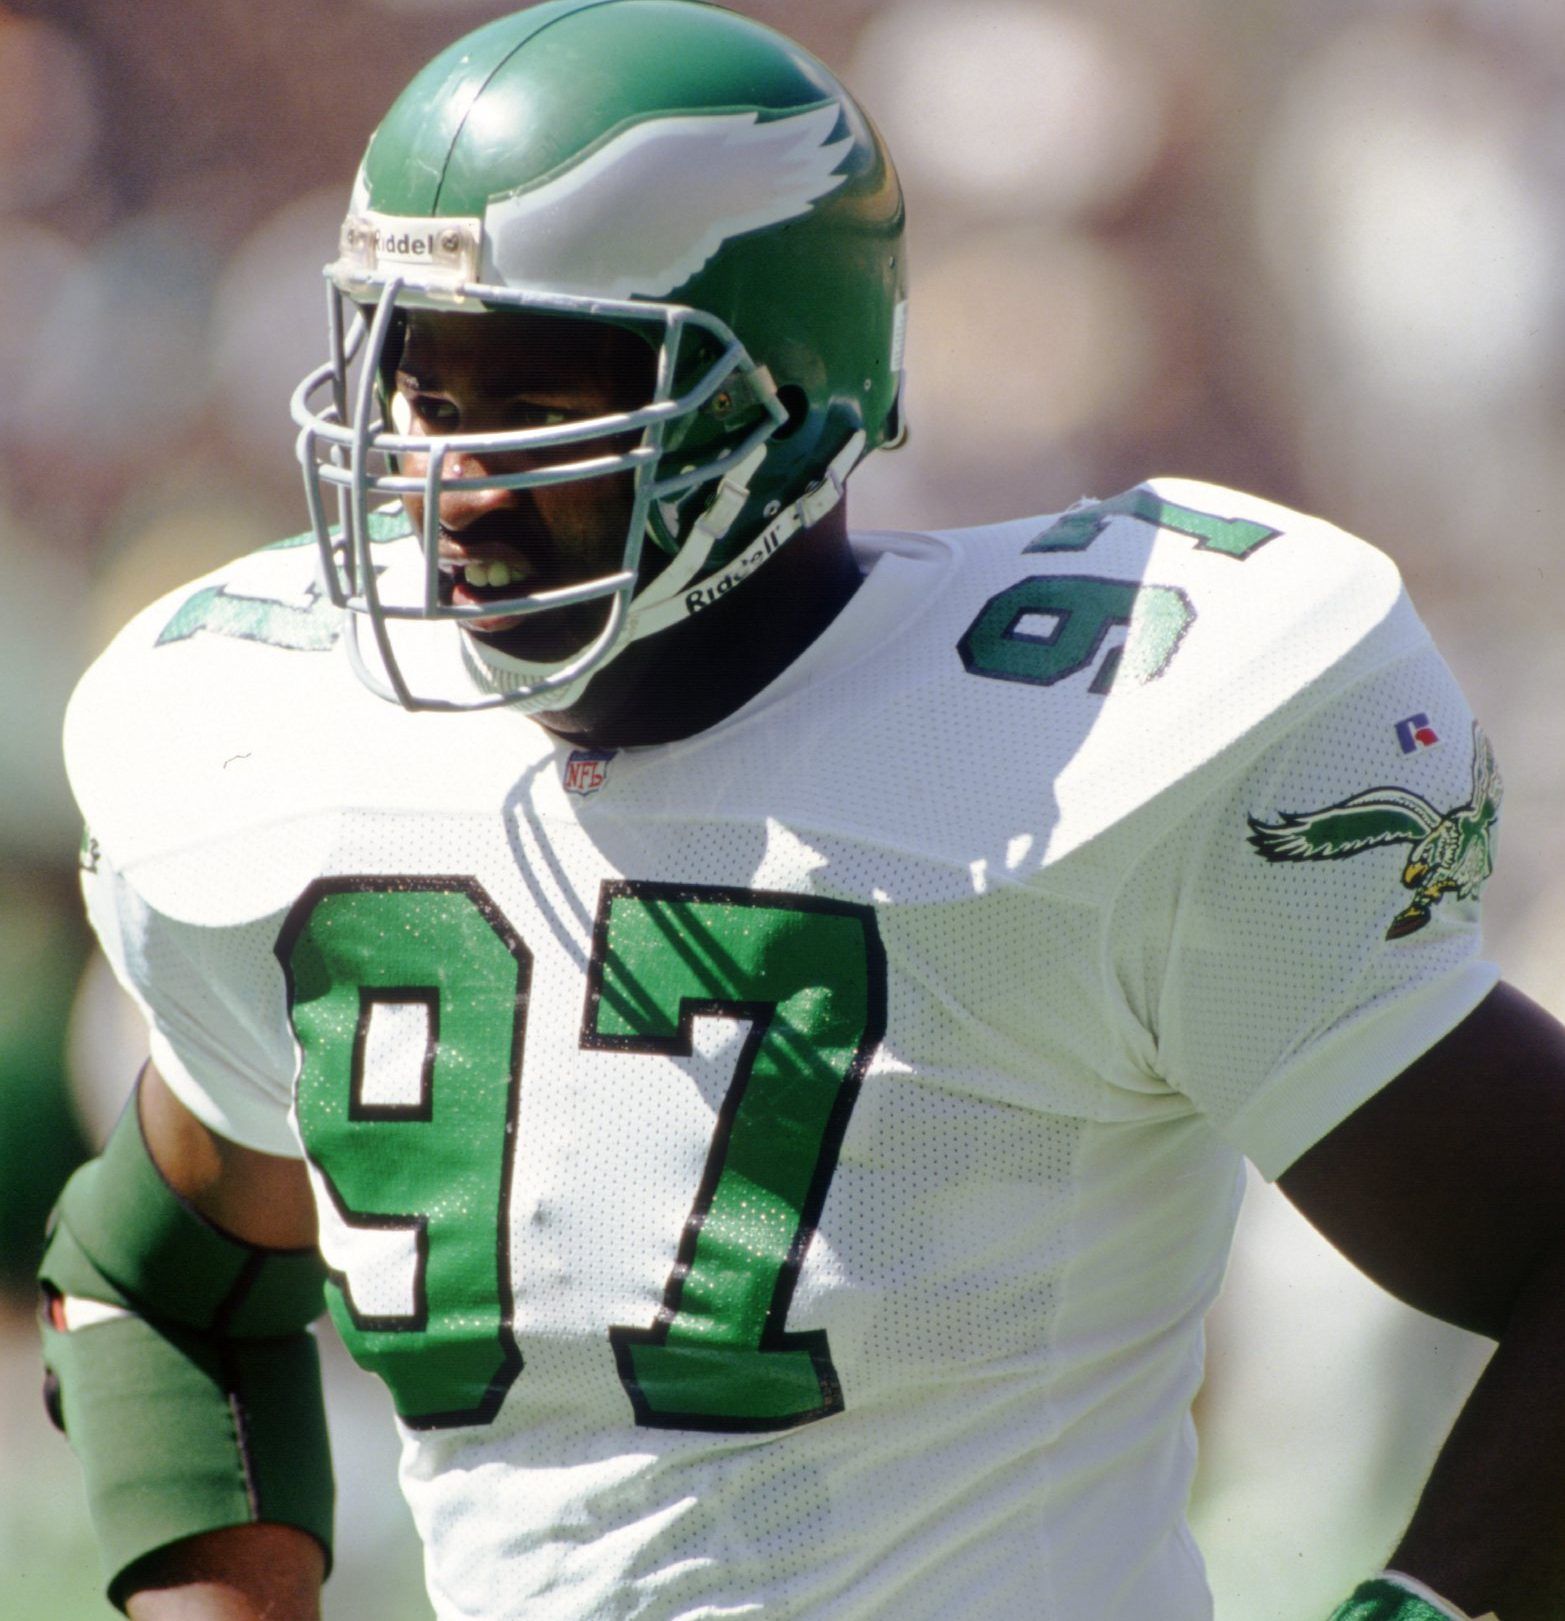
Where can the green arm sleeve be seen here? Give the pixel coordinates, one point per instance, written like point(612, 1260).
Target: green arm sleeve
point(197, 1404)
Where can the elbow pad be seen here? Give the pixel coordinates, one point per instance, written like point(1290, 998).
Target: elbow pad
point(180, 1364)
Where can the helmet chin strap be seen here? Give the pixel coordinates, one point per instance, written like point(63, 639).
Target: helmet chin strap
point(717, 518)
point(672, 597)
point(676, 593)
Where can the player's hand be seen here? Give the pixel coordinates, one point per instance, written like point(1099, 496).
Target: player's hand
point(243, 1573)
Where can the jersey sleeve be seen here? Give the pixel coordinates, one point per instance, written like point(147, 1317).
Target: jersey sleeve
point(212, 999)
point(1312, 927)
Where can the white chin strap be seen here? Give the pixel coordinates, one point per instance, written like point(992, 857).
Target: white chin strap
point(676, 593)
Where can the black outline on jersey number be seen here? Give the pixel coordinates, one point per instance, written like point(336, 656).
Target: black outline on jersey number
point(511, 1362)
point(774, 1336)
point(371, 997)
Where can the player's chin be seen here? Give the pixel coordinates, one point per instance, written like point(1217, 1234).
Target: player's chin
point(503, 628)
point(499, 625)
point(543, 638)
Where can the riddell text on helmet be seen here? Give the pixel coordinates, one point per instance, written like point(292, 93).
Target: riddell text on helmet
point(402, 244)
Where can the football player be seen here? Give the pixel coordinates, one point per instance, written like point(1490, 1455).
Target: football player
point(755, 1030)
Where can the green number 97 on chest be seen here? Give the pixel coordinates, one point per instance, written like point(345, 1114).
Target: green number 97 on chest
point(409, 1001)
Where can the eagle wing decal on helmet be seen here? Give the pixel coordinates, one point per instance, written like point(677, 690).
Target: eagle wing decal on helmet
point(643, 213)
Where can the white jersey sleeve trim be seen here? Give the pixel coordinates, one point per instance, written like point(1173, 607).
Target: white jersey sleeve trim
point(1303, 1104)
point(213, 1054)
point(243, 1118)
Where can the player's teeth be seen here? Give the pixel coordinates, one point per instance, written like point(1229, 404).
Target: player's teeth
point(490, 574)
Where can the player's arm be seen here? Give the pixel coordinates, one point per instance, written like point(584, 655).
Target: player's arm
point(261, 1199)
point(1447, 1188)
point(181, 1271)
point(257, 1569)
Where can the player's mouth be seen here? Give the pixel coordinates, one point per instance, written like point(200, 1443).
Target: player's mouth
point(475, 571)
point(469, 580)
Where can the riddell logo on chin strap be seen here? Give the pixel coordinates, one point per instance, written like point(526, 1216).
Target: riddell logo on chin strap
point(704, 596)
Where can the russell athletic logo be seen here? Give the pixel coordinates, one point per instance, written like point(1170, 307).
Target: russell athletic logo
point(587, 770)
point(1416, 733)
point(1452, 852)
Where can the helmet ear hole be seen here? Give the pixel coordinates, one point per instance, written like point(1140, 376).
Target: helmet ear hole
point(796, 403)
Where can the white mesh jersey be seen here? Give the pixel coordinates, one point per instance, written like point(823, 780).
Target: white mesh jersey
point(783, 1173)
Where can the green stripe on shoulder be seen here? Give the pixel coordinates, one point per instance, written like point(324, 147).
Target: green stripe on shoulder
point(304, 622)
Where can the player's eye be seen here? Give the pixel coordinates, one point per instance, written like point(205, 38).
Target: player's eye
point(526, 414)
point(434, 411)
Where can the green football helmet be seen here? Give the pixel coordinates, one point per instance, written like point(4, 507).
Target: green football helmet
point(666, 166)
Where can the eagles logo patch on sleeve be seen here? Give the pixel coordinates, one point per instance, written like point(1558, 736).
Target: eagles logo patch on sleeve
point(1452, 851)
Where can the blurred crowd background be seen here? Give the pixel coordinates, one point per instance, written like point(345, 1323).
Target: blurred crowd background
point(1313, 251)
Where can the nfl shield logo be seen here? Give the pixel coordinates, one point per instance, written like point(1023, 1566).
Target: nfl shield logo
point(587, 770)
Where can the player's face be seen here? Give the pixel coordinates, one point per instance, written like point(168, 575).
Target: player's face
point(506, 370)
